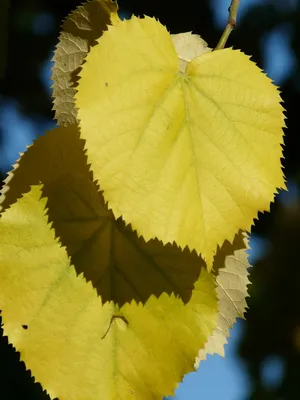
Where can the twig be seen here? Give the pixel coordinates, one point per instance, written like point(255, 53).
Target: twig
point(231, 24)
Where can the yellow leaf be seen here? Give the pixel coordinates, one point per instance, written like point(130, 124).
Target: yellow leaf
point(79, 32)
point(231, 270)
point(124, 270)
point(82, 345)
point(186, 157)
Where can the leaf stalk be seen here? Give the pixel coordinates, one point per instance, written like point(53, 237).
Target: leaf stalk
point(231, 24)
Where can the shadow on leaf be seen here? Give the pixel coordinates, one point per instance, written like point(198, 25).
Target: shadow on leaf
point(120, 266)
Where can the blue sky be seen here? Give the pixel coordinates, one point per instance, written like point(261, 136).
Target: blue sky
point(217, 378)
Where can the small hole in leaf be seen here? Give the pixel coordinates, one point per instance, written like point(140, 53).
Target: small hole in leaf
point(25, 326)
point(106, 84)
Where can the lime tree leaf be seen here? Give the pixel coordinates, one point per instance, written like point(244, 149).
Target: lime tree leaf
point(79, 32)
point(103, 251)
point(77, 345)
point(232, 281)
point(186, 157)
point(58, 152)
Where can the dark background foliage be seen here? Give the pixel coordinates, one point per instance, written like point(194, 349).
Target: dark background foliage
point(273, 320)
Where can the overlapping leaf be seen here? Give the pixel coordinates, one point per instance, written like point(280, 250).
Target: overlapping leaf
point(77, 210)
point(232, 281)
point(79, 346)
point(124, 270)
point(186, 157)
point(79, 32)
point(187, 149)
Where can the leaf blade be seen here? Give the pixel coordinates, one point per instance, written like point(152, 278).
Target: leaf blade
point(177, 301)
point(178, 156)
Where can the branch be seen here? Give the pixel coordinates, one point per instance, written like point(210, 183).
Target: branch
point(231, 24)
